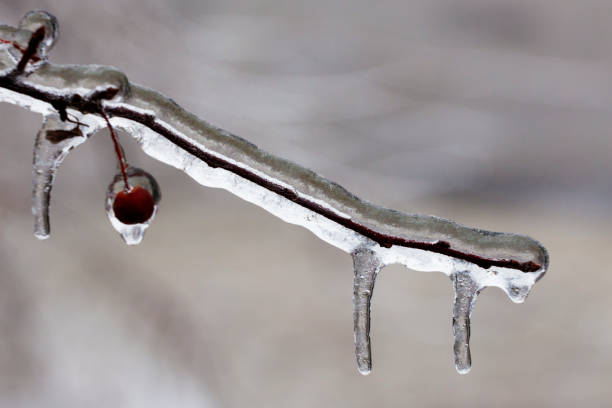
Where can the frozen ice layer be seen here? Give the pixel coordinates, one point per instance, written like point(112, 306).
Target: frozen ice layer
point(85, 81)
point(35, 19)
point(381, 226)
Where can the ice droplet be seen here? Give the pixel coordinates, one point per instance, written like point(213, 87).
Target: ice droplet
point(367, 265)
point(132, 234)
point(36, 18)
point(466, 290)
point(53, 143)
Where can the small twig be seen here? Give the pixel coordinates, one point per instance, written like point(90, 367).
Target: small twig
point(75, 120)
point(37, 37)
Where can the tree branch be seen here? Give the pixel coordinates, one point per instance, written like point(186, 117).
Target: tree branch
point(91, 105)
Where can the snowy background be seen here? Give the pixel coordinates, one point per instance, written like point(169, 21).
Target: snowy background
point(497, 114)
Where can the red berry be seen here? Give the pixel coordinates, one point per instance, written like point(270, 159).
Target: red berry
point(134, 207)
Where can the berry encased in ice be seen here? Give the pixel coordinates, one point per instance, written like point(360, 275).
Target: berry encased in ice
point(134, 207)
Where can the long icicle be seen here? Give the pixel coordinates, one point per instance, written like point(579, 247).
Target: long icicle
point(54, 141)
point(466, 290)
point(367, 265)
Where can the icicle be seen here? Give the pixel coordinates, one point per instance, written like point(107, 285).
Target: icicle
point(466, 290)
point(53, 143)
point(143, 198)
point(367, 265)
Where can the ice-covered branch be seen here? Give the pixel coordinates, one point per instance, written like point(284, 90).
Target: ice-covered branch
point(75, 99)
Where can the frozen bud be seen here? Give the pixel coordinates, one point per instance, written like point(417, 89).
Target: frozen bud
point(130, 211)
point(33, 20)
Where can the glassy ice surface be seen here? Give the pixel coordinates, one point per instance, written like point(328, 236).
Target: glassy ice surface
point(366, 265)
point(465, 290)
point(53, 143)
point(132, 234)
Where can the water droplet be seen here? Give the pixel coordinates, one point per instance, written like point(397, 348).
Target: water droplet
point(129, 212)
point(518, 293)
point(367, 265)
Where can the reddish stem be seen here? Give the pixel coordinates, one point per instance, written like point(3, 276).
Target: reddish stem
point(118, 152)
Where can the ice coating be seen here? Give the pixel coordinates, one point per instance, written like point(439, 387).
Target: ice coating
point(163, 150)
point(132, 234)
point(53, 143)
point(34, 20)
point(419, 228)
point(9, 53)
point(375, 236)
point(83, 81)
point(366, 265)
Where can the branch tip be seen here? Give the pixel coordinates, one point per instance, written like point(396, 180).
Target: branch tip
point(30, 52)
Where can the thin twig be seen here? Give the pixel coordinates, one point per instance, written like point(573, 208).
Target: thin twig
point(37, 37)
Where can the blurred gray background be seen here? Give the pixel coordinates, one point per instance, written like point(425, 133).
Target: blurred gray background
point(497, 114)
